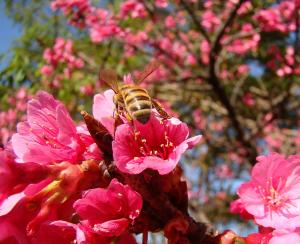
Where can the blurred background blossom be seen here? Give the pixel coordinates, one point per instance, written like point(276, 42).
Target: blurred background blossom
point(229, 69)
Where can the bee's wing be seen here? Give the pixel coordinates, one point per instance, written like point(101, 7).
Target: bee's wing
point(149, 69)
point(110, 77)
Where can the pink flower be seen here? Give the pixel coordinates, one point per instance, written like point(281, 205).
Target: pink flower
point(161, 3)
point(109, 212)
point(243, 69)
point(238, 207)
point(103, 110)
point(100, 32)
point(157, 145)
point(48, 199)
point(61, 55)
point(170, 21)
point(210, 20)
point(205, 49)
point(5, 134)
point(248, 99)
point(56, 232)
point(245, 8)
point(21, 93)
point(14, 177)
point(87, 89)
point(47, 70)
point(199, 120)
point(136, 39)
point(127, 79)
point(258, 238)
point(223, 171)
point(50, 135)
point(273, 194)
point(19, 210)
point(63, 232)
point(191, 59)
point(280, 17)
point(281, 236)
point(76, 10)
point(6, 171)
point(13, 220)
point(132, 8)
point(284, 236)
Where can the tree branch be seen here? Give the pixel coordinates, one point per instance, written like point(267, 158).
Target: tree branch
point(216, 44)
point(214, 81)
point(195, 20)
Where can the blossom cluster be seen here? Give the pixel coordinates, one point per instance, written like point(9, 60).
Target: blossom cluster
point(52, 187)
point(283, 64)
point(177, 45)
point(81, 14)
point(10, 117)
point(271, 199)
point(48, 175)
point(76, 9)
point(278, 139)
point(103, 24)
point(60, 57)
point(279, 18)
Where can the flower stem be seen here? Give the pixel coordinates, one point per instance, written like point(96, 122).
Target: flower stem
point(145, 237)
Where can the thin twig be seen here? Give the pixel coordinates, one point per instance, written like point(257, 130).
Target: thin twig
point(195, 20)
point(216, 47)
point(145, 237)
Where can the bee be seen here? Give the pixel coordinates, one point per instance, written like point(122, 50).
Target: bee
point(131, 100)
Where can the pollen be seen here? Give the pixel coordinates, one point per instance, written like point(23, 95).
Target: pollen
point(95, 227)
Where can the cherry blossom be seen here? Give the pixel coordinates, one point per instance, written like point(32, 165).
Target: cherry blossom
point(133, 8)
point(103, 110)
point(50, 135)
point(109, 212)
point(15, 177)
point(238, 207)
point(157, 145)
point(279, 18)
point(271, 194)
point(78, 9)
point(60, 56)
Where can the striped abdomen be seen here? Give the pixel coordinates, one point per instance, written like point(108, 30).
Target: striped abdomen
point(137, 102)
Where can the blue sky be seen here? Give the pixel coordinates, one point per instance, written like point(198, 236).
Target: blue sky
point(8, 30)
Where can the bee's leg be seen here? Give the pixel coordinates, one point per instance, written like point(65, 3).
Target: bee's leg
point(118, 120)
point(160, 109)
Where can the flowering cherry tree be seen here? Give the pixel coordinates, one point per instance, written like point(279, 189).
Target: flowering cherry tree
point(228, 78)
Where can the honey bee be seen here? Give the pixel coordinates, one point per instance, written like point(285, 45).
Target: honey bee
point(131, 100)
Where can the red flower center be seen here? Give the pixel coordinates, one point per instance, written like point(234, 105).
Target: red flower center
point(162, 148)
point(272, 196)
